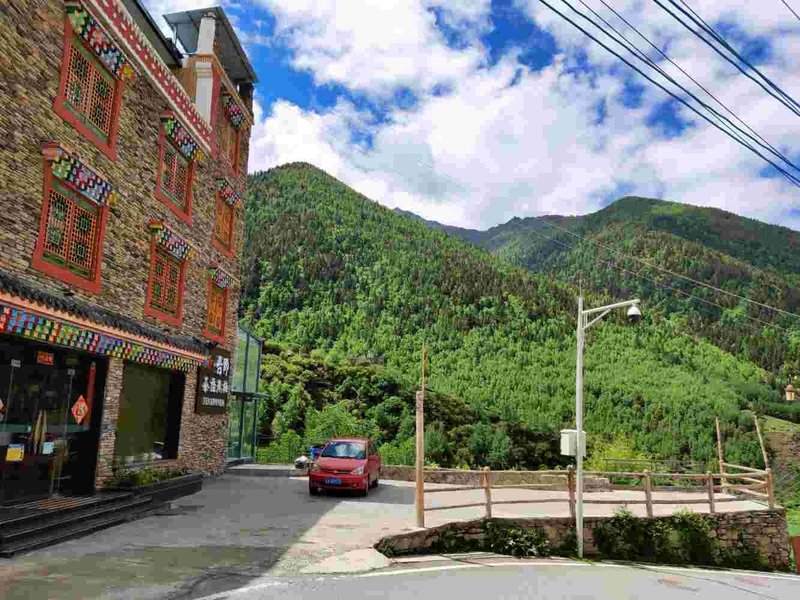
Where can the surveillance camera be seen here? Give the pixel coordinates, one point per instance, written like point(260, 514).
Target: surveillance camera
point(634, 314)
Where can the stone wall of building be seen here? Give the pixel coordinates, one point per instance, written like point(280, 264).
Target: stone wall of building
point(764, 530)
point(31, 50)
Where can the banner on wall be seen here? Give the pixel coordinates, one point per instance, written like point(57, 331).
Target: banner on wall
point(214, 383)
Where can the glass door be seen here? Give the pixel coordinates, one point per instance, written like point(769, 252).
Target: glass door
point(235, 406)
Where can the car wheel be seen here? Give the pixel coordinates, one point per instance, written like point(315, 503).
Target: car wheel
point(365, 491)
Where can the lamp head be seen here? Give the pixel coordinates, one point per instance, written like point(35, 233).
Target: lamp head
point(634, 314)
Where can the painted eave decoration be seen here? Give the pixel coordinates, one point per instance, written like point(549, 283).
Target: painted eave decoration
point(227, 193)
point(68, 167)
point(15, 321)
point(220, 278)
point(182, 139)
point(234, 112)
point(99, 42)
point(139, 50)
point(170, 241)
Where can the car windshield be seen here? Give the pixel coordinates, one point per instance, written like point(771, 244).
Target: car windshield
point(345, 450)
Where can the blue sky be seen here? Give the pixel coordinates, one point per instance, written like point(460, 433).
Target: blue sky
point(474, 111)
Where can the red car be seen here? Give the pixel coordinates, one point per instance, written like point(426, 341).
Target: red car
point(345, 464)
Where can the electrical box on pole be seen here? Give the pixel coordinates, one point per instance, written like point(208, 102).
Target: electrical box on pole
point(569, 442)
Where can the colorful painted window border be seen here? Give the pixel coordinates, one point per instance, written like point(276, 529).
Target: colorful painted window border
point(219, 282)
point(227, 199)
point(84, 33)
point(64, 168)
point(233, 118)
point(176, 135)
point(163, 239)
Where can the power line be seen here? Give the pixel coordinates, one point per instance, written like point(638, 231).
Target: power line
point(662, 285)
point(669, 272)
point(780, 96)
point(786, 4)
point(633, 49)
point(794, 180)
point(682, 70)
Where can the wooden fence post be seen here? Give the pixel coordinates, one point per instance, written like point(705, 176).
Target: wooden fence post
point(571, 490)
point(648, 492)
point(487, 490)
point(722, 481)
point(761, 442)
point(710, 486)
point(770, 489)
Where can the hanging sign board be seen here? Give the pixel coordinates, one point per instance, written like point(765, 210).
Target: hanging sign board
point(48, 447)
point(214, 383)
point(80, 409)
point(15, 453)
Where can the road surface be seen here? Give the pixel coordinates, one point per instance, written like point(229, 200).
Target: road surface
point(469, 577)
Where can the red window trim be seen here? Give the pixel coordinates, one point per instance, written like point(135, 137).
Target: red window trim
point(227, 251)
point(109, 148)
point(42, 265)
point(207, 333)
point(149, 310)
point(185, 216)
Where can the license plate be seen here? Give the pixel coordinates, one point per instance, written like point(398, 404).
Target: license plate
point(332, 481)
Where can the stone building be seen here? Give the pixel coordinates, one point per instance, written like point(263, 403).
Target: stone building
point(122, 165)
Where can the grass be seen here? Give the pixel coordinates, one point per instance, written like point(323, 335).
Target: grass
point(773, 425)
point(793, 518)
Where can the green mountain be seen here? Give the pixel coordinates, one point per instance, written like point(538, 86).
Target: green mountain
point(330, 275)
point(743, 257)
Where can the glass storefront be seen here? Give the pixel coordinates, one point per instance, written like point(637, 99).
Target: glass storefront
point(49, 420)
point(243, 404)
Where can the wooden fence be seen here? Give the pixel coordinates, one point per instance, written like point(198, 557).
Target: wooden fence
point(735, 484)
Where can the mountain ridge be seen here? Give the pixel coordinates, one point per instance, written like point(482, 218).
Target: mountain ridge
point(332, 272)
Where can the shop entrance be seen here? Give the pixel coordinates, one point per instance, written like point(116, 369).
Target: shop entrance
point(49, 420)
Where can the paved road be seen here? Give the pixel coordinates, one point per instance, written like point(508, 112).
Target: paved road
point(470, 577)
point(235, 531)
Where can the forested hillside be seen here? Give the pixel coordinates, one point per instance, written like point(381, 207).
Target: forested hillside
point(741, 256)
point(330, 272)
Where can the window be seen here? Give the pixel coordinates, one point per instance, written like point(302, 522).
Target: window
point(176, 168)
point(223, 230)
point(228, 137)
point(168, 256)
point(70, 235)
point(148, 427)
point(215, 318)
point(89, 93)
point(165, 284)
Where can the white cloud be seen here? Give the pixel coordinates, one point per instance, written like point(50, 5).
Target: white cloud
point(488, 150)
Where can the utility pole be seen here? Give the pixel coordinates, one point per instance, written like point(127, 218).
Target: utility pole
point(579, 428)
point(420, 464)
point(597, 314)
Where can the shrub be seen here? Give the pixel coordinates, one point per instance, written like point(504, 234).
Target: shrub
point(146, 476)
point(515, 541)
point(283, 450)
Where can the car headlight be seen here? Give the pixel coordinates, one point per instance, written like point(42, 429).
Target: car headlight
point(314, 468)
point(358, 471)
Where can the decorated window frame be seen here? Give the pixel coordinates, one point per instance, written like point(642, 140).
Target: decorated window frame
point(219, 284)
point(75, 209)
point(169, 255)
point(177, 150)
point(231, 121)
point(228, 202)
point(94, 72)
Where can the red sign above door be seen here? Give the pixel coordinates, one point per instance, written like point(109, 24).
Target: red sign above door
point(45, 358)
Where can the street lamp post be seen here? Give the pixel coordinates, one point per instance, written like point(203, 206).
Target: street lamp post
point(634, 313)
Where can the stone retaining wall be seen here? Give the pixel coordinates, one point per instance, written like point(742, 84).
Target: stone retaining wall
point(763, 530)
point(461, 477)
